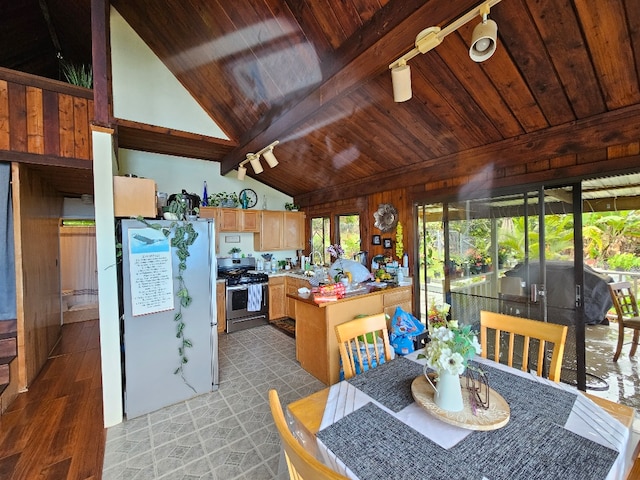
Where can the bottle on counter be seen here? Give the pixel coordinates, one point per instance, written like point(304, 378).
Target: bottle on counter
point(405, 260)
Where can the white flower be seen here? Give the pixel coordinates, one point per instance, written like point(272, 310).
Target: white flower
point(443, 334)
point(453, 323)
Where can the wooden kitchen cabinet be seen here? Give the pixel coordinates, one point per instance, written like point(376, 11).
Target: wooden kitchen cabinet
point(134, 196)
point(233, 219)
point(270, 235)
point(277, 298)
point(250, 220)
point(292, 286)
point(293, 228)
point(221, 306)
point(280, 230)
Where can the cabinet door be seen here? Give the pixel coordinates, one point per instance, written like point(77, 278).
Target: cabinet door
point(228, 220)
point(250, 220)
point(293, 231)
point(277, 298)
point(221, 306)
point(270, 235)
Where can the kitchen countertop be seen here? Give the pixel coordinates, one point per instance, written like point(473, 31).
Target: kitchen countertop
point(358, 292)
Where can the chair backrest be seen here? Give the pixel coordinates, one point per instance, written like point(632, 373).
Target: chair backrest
point(358, 344)
point(528, 329)
point(302, 465)
point(624, 301)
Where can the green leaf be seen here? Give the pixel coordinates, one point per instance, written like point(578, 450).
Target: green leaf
point(187, 343)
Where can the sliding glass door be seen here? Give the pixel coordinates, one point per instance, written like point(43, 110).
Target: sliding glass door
point(514, 254)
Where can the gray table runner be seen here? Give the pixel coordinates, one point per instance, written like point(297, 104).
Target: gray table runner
point(389, 383)
point(533, 445)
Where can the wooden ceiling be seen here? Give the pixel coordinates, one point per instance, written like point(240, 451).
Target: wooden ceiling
point(314, 75)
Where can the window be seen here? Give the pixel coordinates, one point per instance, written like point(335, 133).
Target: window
point(320, 239)
point(349, 234)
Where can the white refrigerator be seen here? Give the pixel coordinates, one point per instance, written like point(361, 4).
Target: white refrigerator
point(149, 305)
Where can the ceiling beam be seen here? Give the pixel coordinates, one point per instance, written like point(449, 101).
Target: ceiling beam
point(151, 138)
point(366, 55)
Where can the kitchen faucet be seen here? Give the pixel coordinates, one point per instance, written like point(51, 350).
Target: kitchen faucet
point(314, 253)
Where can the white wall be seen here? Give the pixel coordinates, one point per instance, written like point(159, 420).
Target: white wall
point(144, 90)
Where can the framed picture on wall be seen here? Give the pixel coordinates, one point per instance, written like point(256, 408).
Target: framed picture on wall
point(375, 240)
point(386, 243)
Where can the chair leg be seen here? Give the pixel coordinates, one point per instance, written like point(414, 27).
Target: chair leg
point(634, 345)
point(620, 341)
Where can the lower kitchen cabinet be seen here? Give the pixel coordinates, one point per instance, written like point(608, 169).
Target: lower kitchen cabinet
point(398, 297)
point(277, 298)
point(221, 307)
point(293, 284)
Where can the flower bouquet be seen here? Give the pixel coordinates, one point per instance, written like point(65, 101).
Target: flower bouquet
point(451, 347)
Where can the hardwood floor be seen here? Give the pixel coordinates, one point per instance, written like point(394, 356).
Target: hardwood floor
point(55, 430)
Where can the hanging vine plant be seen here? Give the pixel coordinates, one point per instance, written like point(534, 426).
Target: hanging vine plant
point(181, 235)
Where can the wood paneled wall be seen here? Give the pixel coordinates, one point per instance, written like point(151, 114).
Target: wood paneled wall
point(37, 209)
point(366, 206)
point(44, 117)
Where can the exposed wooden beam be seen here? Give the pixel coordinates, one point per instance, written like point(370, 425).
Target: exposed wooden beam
point(611, 128)
point(150, 138)
point(101, 62)
point(365, 55)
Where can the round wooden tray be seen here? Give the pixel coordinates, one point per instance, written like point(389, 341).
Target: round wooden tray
point(496, 416)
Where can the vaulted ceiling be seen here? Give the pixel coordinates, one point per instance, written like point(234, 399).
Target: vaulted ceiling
point(314, 75)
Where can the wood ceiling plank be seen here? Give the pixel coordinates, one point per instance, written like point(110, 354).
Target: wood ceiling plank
point(479, 86)
point(17, 117)
point(5, 124)
point(615, 127)
point(308, 24)
point(520, 36)
point(362, 68)
point(558, 25)
point(633, 17)
point(508, 81)
point(607, 35)
point(327, 19)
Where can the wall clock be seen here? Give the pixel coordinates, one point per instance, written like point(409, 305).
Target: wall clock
point(248, 198)
point(386, 217)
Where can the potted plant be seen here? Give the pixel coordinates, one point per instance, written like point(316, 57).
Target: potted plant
point(224, 199)
point(234, 252)
point(292, 207)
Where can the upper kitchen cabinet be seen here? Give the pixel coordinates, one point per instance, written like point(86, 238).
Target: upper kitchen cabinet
point(233, 219)
point(293, 228)
point(280, 230)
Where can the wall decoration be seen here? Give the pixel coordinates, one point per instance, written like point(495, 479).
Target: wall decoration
point(386, 242)
point(386, 217)
point(375, 240)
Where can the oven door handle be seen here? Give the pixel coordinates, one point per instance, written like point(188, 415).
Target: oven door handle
point(237, 287)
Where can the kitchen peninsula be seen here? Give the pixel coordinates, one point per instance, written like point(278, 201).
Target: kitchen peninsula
point(316, 343)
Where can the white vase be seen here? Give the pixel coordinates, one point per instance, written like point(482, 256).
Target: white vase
point(447, 392)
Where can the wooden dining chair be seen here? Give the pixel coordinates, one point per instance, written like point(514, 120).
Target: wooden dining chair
point(528, 329)
point(624, 301)
point(354, 340)
point(301, 464)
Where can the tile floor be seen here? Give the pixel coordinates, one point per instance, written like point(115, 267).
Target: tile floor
point(227, 434)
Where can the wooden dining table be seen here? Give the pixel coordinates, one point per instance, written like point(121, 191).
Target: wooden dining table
point(370, 427)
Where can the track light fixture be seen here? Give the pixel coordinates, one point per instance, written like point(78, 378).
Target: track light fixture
point(483, 44)
point(254, 160)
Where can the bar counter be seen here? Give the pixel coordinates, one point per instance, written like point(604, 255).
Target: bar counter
point(316, 343)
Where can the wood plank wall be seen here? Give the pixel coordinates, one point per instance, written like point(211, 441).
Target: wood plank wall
point(366, 206)
point(44, 117)
point(37, 210)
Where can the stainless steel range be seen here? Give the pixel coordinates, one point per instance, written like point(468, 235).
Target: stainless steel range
point(247, 302)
